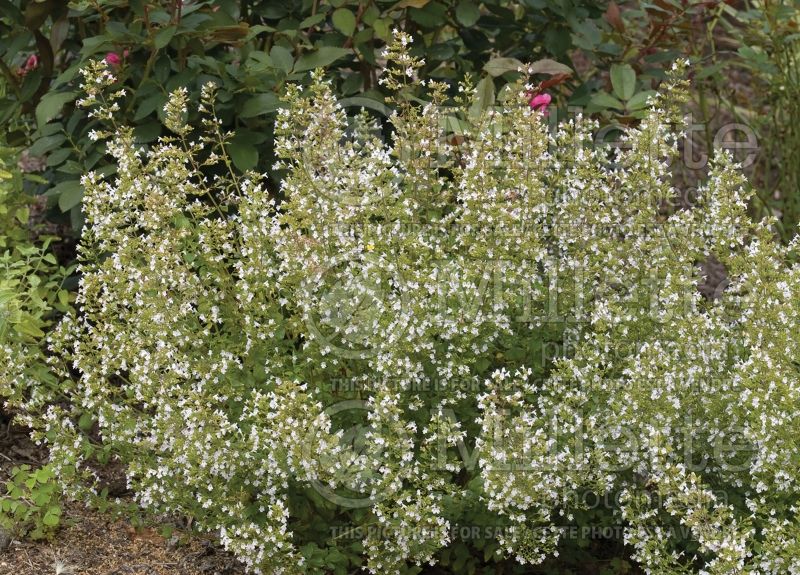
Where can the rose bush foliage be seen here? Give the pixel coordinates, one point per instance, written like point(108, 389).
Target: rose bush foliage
point(509, 288)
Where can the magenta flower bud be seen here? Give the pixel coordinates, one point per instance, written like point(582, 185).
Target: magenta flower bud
point(540, 102)
point(32, 62)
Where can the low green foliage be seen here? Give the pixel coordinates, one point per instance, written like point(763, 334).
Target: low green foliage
point(31, 294)
point(31, 505)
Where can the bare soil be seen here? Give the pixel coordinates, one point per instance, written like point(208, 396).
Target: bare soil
point(93, 543)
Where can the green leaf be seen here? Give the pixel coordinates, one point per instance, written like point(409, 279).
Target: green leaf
point(44, 474)
point(260, 104)
point(52, 517)
point(28, 327)
point(707, 71)
point(467, 13)
point(312, 20)
point(70, 167)
point(95, 44)
point(58, 156)
point(192, 21)
point(639, 101)
point(365, 102)
point(551, 67)
point(383, 29)
point(484, 97)
point(258, 29)
point(344, 21)
point(50, 106)
point(623, 80)
point(70, 194)
point(499, 66)
point(432, 15)
point(30, 84)
point(36, 13)
point(243, 153)
point(149, 105)
point(11, 12)
point(58, 32)
point(352, 84)
point(47, 143)
point(147, 132)
point(66, 75)
point(605, 100)
point(52, 128)
point(754, 54)
point(41, 498)
point(164, 36)
point(22, 215)
point(85, 421)
point(587, 35)
point(282, 58)
point(325, 56)
point(410, 4)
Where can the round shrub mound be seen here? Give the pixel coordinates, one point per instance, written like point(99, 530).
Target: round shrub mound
point(478, 323)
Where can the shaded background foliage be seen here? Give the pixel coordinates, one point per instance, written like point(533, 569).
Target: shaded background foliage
point(251, 49)
point(743, 54)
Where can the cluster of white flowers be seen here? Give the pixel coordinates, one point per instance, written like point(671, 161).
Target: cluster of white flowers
point(212, 317)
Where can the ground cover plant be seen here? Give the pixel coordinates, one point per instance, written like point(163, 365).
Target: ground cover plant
point(32, 293)
point(477, 323)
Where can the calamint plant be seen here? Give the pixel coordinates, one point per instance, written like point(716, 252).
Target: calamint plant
point(477, 322)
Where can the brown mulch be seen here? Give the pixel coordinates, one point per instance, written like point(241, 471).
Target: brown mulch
point(93, 544)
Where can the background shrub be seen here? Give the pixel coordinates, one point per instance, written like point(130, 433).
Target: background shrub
point(610, 58)
point(250, 50)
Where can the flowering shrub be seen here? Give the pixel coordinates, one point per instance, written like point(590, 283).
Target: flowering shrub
point(288, 372)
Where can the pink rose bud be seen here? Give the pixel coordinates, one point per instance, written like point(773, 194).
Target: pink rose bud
point(32, 62)
point(540, 102)
point(126, 53)
point(113, 59)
